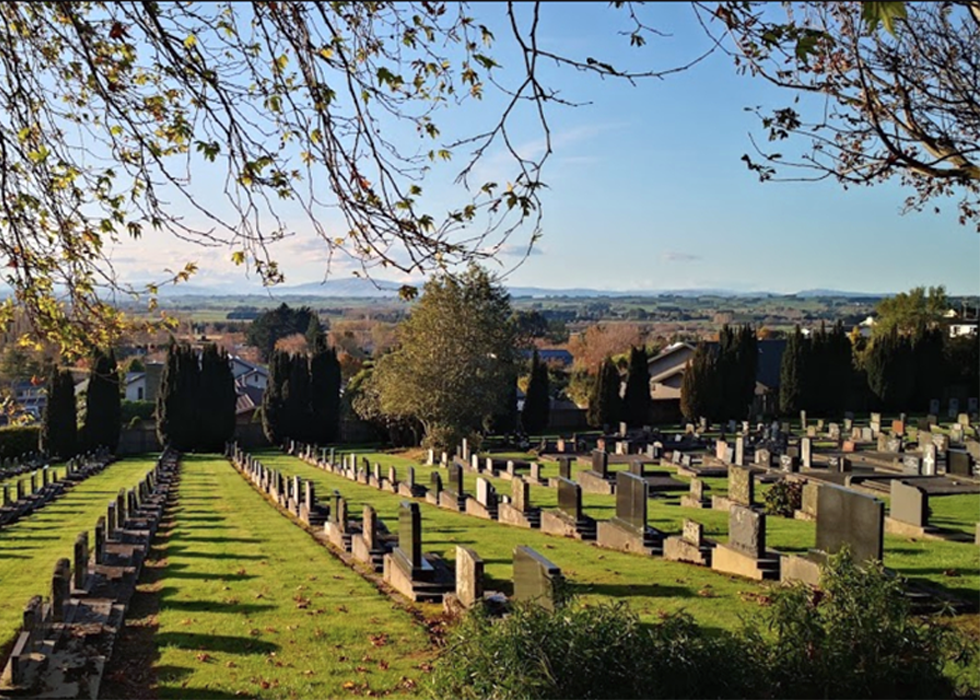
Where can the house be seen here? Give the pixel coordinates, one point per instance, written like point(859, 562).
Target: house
point(247, 374)
point(30, 397)
point(558, 356)
point(667, 373)
point(248, 399)
point(135, 387)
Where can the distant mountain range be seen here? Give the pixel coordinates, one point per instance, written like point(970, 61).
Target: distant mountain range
point(354, 288)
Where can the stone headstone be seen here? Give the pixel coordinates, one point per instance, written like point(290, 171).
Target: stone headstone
point(739, 456)
point(963, 420)
point(520, 494)
point(60, 589)
point(806, 452)
point(747, 531)
point(469, 576)
point(973, 405)
point(535, 472)
point(928, 459)
point(631, 501)
point(410, 480)
point(600, 462)
point(741, 486)
point(565, 467)
point(637, 467)
point(898, 427)
point(435, 483)
point(848, 517)
point(81, 560)
point(486, 495)
point(893, 445)
point(833, 431)
point(693, 532)
point(803, 420)
point(697, 490)
point(909, 504)
point(410, 533)
point(369, 527)
point(934, 407)
point(912, 464)
point(953, 408)
point(811, 489)
point(721, 450)
point(570, 498)
point(763, 457)
point(956, 434)
point(455, 483)
point(536, 579)
point(959, 463)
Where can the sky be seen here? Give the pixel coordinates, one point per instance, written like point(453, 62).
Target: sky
point(647, 190)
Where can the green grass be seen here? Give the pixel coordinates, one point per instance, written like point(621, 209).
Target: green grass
point(250, 604)
point(951, 565)
point(30, 547)
point(11, 481)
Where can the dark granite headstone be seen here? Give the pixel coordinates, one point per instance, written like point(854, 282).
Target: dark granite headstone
point(435, 483)
point(631, 501)
point(410, 534)
point(637, 467)
point(958, 462)
point(909, 504)
point(565, 467)
point(570, 498)
point(455, 484)
point(536, 579)
point(848, 517)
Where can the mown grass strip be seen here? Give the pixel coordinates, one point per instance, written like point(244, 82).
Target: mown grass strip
point(30, 547)
point(249, 604)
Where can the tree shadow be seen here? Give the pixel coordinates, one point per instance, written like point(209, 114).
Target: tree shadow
point(213, 606)
point(237, 540)
point(206, 576)
point(196, 641)
point(626, 590)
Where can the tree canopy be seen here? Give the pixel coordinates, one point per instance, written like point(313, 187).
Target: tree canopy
point(454, 368)
point(115, 113)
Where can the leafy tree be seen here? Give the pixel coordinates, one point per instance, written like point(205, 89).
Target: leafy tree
point(605, 403)
point(454, 368)
point(325, 394)
point(699, 386)
point(637, 400)
point(534, 415)
point(103, 403)
point(283, 321)
point(216, 400)
point(273, 407)
point(911, 312)
point(793, 373)
point(59, 430)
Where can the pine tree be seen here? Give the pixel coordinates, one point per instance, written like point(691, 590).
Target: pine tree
point(325, 382)
point(534, 416)
point(605, 404)
point(636, 402)
point(273, 408)
point(296, 400)
point(103, 409)
point(216, 400)
point(59, 431)
point(792, 374)
point(700, 388)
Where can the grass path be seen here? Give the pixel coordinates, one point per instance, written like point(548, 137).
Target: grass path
point(241, 601)
point(30, 547)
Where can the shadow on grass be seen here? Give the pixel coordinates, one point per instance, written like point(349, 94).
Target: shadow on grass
point(216, 540)
point(212, 606)
point(625, 590)
point(178, 551)
point(193, 641)
point(201, 518)
point(204, 575)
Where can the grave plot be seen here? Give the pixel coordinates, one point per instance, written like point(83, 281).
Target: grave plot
point(240, 600)
point(29, 547)
point(650, 584)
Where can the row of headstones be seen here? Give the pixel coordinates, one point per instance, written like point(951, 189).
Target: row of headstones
point(43, 486)
point(76, 581)
point(535, 578)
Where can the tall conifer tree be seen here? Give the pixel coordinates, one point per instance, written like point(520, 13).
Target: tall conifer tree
point(103, 409)
point(534, 415)
point(59, 430)
point(636, 402)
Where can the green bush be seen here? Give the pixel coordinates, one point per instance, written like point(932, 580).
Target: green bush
point(140, 410)
point(784, 498)
point(855, 638)
point(16, 440)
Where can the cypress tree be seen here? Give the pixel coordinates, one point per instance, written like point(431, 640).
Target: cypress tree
point(534, 415)
point(325, 394)
point(890, 370)
point(296, 399)
point(728, 379)
point(167, 410)
point(700, 385)
point(59, 430)
point(216, 400)
point(103, 409)
point(792, 373)
point(747, 363)
point(179, 414)
point(636, 402)
point(929, 356)
point(273, 409)
point(605, 404)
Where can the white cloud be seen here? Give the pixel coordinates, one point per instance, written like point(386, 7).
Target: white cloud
point(679, 256)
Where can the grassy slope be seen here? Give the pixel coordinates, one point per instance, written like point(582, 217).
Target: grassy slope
point(30, 548)
point(249, 603)
point(11, 481)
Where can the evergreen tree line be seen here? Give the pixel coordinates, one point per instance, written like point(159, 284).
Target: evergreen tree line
point(196, 400)
point(719, 381)
point(302, 399)
point(610, 403)
point(898, 372)
point(60, 435)
point(537, 399)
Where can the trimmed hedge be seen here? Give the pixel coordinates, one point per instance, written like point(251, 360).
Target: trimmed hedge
point(16, 440)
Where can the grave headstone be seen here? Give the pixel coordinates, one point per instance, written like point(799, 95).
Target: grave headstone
point(469, 576)
point(486, 495)
point(959, 463)
point(631, 502)
point(565, 467)
point(747, 531)
point(741, 486)
point(600, 462)
point(763, 457)
point(928, 459)
point(520, 492)
point(570, 498)
point(806, 453)
point(973, 405)
point(739, 457)
point(848, 517)
point(934, 406)
point(693, 532)
point(912, 464)
point(789, 463)
point(435, 484)
point(909, 504)
point(455, 483)
point(409, 549)
point(536, 579)
point(953, 408)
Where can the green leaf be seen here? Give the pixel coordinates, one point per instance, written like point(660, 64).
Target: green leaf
point(874, 13)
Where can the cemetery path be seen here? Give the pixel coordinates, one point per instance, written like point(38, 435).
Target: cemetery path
point(30, 547)
point(238, 600)
point(651, 584)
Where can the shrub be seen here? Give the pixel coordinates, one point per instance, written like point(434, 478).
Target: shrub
point(17, 440)
point(784, 498)
point(136, 410)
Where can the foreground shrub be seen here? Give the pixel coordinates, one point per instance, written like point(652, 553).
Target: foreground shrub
point(856, 638)
point(580, 651)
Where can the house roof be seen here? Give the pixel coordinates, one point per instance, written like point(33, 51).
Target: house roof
point(247, 398)
point(551, 355)
point(767, 367)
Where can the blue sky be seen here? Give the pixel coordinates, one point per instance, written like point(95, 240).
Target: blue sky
point(647, 190)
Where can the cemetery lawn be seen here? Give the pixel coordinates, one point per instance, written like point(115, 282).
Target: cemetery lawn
point(952, 566)
point(30, 547)
point(237, 600)
point(11, 481)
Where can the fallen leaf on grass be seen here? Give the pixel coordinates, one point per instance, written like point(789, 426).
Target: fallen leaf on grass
point(361, 669)
point(308, 672)
point(204, 657)
point(706, 592)
point(951, 572)
point(342, 608)
point(383, 665)
point(240, 572)
point(378, 640)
